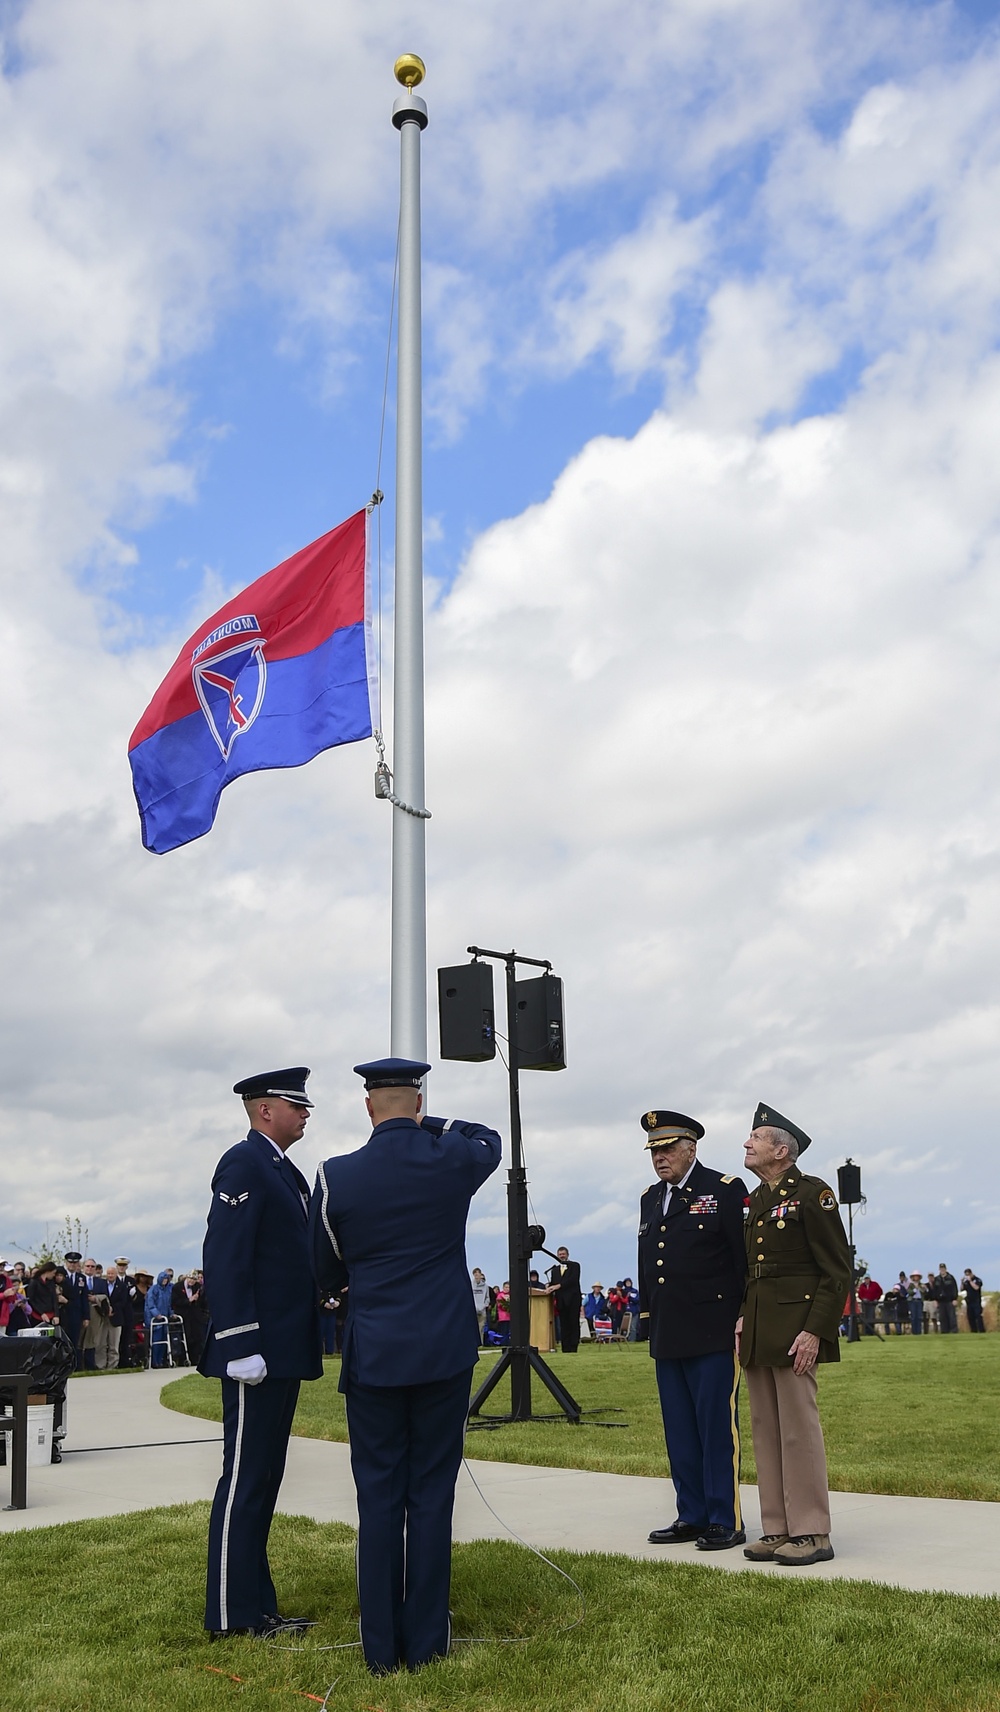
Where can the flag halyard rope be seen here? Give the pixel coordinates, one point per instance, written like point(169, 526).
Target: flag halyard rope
point(383, 773)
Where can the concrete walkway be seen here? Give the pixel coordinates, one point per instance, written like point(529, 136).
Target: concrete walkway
point(921, 1543)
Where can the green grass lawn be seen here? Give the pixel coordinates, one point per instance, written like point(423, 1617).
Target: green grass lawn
point(106, 1616)
point(919, 1416)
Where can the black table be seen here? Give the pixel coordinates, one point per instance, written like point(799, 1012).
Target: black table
point(15, 1421)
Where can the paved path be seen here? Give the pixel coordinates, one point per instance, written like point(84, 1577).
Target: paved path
point(923, 1543)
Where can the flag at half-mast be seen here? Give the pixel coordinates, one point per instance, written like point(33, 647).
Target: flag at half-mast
point(281, 672)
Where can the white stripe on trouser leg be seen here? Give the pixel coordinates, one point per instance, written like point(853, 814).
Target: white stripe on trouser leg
point(224, 1565)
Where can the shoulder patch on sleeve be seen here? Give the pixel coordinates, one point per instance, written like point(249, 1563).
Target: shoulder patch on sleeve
point(234, 1200)
point(828, 1201)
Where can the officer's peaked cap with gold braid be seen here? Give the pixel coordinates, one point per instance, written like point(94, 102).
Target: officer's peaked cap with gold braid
point(664, 1127)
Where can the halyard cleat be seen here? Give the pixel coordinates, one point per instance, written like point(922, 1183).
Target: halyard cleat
point(763, 1550)
point(803, 1549)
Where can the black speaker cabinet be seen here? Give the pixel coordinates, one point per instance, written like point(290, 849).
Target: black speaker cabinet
point(465, 1012)
point(541, 1039)
point(849, 1184)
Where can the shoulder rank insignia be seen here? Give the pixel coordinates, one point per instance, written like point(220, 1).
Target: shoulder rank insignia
point(234, 1200)
point(828, 1201)
point(728, 1179)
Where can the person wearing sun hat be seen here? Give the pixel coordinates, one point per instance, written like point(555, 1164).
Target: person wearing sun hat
point(799, 1273)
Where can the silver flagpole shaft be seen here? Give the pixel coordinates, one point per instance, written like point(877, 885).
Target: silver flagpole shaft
point(408, 956)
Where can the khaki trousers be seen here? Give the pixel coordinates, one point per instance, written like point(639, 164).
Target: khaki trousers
point(788, 1446)
point(110, 1351)
point(99, 1335)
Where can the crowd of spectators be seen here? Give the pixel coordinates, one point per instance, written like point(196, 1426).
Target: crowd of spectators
point(113, 1317)
point(604, 1311)
point(117, 1318)
point(920, 1304)
point(913, 1304)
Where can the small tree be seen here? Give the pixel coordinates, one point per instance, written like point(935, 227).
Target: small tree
point(72, 1233)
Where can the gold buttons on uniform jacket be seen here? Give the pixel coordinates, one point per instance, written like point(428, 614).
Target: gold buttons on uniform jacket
point(659, 1263)
point(781, 1224)
point(760, 1224)
point(760, 1239)
point(701, 1227)
point(663, 1227)
point(659, 1245)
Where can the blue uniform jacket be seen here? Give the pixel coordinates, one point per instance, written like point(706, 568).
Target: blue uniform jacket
point(693, 1264)
point(390, 1219)
point(258, 1279)
point(77, 1299)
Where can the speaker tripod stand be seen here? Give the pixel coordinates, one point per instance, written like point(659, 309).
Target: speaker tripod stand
point(519, 1359)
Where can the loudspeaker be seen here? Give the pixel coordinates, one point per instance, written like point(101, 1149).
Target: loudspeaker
point(849, 1184)
point(541, 1041)
point(465, 1012)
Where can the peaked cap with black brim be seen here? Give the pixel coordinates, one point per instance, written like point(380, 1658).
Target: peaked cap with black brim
point(664, 1128)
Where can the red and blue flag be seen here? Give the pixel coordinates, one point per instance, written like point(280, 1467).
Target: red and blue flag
point(278, 674)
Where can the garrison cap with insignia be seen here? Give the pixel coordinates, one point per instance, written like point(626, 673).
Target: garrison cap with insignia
point(276, 1084)
point(392, 1073)
point(767, 1117)
point(664, 1127)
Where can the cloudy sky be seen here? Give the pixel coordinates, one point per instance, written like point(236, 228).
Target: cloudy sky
point(712, 295)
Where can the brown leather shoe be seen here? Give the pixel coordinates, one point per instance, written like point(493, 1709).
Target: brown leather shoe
point(802, 1549)
point(763, 1550)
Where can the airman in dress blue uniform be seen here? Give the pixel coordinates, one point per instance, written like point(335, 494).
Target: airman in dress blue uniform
point(263, 1339)
point(692, 1265)
point(390, 1219)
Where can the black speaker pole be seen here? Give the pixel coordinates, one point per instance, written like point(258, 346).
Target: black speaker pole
point(849, 1191)
point(519, 1359)
point(853, 1332)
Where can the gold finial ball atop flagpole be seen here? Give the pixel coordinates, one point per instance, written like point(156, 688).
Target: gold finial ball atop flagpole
point(409, 70)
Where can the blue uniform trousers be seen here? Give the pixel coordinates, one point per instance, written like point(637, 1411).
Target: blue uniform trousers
point(701, 1426)
point(406, 1451)
point(256, 1422)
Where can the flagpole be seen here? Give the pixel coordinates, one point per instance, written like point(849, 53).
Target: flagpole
point(408, 954)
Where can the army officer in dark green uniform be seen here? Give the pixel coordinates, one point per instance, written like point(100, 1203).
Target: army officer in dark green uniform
point(799, 1273)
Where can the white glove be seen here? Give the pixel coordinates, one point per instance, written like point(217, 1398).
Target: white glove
point(250, 1371)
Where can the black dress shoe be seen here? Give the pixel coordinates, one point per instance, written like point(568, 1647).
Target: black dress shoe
point(268, 1627)
point(678, 1534)
point(718, 1538)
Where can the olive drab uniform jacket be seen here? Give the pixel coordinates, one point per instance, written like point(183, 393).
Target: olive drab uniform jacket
point(799, 1270)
